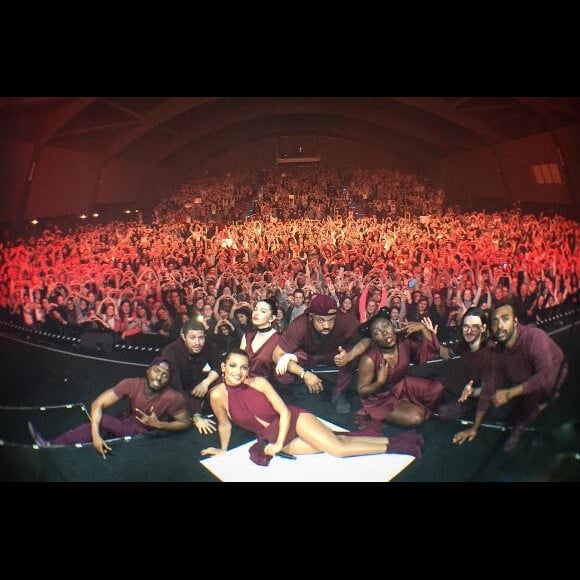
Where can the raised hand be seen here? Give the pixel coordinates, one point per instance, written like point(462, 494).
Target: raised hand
point(428, 323)
point(149, 420)
point(341, 359)
point(467, 392)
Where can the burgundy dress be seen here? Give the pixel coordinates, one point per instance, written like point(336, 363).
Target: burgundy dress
point(246, 403)
point(420, 391)
point(261, 364)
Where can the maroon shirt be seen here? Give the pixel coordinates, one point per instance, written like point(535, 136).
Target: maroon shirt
point(534, 362)
point(300, 335)
point(166, 404)
point(475, 364)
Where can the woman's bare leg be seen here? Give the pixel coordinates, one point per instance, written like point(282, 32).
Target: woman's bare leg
point(314, 436)
point(406, 414)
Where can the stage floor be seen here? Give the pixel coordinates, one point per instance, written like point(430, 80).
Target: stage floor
point(38, 377)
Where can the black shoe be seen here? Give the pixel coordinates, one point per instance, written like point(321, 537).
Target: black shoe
point(514, 439)
point(38, 439)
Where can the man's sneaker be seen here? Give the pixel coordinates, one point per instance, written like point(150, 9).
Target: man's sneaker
point(450, 411)
point(513, 440)
point(38, 439)
point(341, 405)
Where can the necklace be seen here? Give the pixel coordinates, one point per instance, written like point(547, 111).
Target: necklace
point(267, 329)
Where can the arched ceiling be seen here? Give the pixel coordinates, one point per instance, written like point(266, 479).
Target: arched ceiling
point(170, 131)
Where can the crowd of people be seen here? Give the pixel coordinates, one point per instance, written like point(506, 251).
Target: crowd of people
point(131, 278)
point(286, 267)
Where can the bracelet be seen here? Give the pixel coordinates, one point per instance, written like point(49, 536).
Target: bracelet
point(304, 371)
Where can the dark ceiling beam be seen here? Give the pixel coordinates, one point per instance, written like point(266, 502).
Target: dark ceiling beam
point(154, 117)
point(232, 136)
point(168, 131)
point(97, 129)
point(446, 111)
point(472, 104)
point(242, 110)
point(540, 106)
point(123, 109)
point(60, 117)
point(450, 113)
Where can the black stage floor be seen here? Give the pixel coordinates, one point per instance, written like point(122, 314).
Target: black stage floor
point(35, 376)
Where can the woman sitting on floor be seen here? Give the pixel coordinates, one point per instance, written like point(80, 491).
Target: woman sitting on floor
point(387, 392)
point(253, 404)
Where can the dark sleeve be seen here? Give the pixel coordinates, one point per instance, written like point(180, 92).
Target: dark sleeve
point(292, 336)
point(423, 349)
point(213, 360)
point(492, 377)
point(546, 358)
point(170, 355)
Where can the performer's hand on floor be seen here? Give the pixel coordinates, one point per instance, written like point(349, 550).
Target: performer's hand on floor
point(212, 451)
point(101, 447)
point(463, 436)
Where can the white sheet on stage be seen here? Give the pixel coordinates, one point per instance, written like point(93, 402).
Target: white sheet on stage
point(236, 465)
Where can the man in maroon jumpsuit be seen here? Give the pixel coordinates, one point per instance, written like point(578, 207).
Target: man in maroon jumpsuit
point(526, 365)
point(322, 336)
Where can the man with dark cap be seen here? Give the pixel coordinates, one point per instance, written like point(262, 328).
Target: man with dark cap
point(152, 406)
point(323, 335)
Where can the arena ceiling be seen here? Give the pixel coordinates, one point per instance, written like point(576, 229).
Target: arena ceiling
point(172, 131)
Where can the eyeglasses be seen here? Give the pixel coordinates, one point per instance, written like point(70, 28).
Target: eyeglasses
point(471, 328)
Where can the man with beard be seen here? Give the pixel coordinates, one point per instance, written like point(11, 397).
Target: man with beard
point(527, 360)
point(195, 368)
point(475, 351)
point(152, 406)
point(321, 336)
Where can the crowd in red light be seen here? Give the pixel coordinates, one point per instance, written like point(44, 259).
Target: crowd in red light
point(310, 233)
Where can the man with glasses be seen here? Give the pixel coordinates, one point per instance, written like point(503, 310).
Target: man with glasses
point(526, 366)
point(474, 349)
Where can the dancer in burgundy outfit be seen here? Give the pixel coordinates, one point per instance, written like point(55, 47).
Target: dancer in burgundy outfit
point(253, 404)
